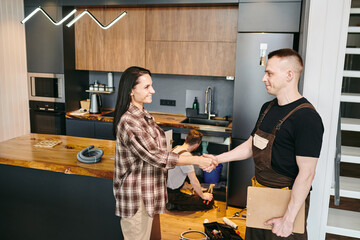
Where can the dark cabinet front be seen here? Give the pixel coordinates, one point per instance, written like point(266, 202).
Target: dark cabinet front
point(80, 128)
point(103, 130)
point(89, 129)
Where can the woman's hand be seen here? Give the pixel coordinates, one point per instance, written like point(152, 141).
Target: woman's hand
point(208, 162)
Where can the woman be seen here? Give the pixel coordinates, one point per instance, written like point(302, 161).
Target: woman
point(141, 159)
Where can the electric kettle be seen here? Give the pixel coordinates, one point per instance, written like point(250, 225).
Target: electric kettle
point(95, 103)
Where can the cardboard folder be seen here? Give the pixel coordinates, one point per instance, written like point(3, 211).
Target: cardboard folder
point(266, 203)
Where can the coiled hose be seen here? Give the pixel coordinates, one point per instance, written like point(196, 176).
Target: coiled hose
point(90, 155)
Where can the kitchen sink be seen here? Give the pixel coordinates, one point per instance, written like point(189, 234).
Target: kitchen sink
point(110, 114)
point(213, 122)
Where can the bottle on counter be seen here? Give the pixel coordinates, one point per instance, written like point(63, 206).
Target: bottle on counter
point(96, 86)
point(196, 104)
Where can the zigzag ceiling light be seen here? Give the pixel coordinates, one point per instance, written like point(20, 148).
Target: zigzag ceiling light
point(92, 16)
point(47, 15)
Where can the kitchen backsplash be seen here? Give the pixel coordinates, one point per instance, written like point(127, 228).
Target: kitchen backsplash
point(174, 87)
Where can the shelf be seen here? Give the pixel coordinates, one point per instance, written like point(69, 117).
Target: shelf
point(353, 74)
point(355, 11)
point(350, 97)
point(349, 187)
point(354, 30)
point(106, 92)
point(350, 154)
point(352, 51)
point(344, 223)
point(350, 124)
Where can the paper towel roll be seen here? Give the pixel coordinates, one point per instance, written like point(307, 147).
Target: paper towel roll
point(110, 80)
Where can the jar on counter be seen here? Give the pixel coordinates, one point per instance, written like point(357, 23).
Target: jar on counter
point(102, 87)
point(91, 87)
point(109, 89)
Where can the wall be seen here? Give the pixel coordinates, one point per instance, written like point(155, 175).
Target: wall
point(174, 87)
point(325, 51)
point(14, 110)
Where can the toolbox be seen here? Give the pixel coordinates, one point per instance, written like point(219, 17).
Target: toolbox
point(215, 230)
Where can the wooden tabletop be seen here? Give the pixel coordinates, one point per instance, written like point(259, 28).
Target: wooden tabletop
point(20, 151)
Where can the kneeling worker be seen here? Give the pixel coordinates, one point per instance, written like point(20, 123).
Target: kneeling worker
point(176, 179)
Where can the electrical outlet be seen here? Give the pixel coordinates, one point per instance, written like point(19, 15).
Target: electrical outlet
point(167, 102)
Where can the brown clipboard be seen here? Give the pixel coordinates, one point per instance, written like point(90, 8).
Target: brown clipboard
point(266, 203)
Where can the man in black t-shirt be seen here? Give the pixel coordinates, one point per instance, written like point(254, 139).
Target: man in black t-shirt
point(285, 142)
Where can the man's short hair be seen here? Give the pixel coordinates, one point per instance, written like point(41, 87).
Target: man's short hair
point(193, 137)
point(287, 52)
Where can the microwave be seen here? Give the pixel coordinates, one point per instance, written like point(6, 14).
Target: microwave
point(47, 87)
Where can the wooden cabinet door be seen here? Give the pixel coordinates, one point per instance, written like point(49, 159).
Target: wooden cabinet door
point(192, 24)
point(113, 49)
point(89, 41)
point(191, 58)
point(125, 40)
point(191, 40)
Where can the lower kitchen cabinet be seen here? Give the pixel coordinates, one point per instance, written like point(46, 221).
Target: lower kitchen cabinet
point(80, 128)
point(89, 129)
point(104, 130)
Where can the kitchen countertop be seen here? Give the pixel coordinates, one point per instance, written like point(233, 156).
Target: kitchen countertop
point(20, 151)
point(170, 120)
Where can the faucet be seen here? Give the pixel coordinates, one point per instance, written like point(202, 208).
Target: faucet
point(208, 101)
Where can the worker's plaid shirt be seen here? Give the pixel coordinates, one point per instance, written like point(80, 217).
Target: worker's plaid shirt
point(141, 163)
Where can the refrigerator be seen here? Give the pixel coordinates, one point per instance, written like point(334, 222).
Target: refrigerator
point(249, 95)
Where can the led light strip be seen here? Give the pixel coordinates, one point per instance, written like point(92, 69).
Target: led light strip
point(92, 16)
point(47, 15)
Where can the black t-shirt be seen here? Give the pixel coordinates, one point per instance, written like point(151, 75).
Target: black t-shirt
point(300, 135)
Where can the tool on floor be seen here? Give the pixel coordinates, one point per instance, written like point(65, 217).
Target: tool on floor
point(230, 223)
point(210, 190)
point(237, 215)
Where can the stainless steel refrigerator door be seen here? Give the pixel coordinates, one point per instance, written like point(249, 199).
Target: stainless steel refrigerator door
point(239, 178)
point(249, 91)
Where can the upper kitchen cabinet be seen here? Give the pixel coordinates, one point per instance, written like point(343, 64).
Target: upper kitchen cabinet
point(169, 40)
point(191, 58)
point(114, 49)
point(44, 41)
point(269, 16)
point(191, 40)
point(191, 24)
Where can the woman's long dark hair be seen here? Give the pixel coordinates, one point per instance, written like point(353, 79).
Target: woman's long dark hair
point(127, 82)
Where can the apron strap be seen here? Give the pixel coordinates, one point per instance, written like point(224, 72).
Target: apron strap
point(261, 118)
point(280, 122)
point(182, 151)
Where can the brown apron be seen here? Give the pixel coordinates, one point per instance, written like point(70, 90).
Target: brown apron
point(265, 175)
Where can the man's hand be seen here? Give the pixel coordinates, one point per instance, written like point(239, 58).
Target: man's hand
point(207, 196)
point(280, 226)
point(214, 159)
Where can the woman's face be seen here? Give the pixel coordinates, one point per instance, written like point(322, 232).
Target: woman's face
point(143, 91)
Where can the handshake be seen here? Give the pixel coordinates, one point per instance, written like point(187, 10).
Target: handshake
point(208, 162)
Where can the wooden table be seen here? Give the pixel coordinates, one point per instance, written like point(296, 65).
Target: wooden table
point(20, 151)
point(62, 158)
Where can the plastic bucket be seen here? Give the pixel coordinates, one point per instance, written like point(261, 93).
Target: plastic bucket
point(214, 175)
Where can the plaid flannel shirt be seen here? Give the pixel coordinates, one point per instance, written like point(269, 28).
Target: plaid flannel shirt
point(141, 163)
